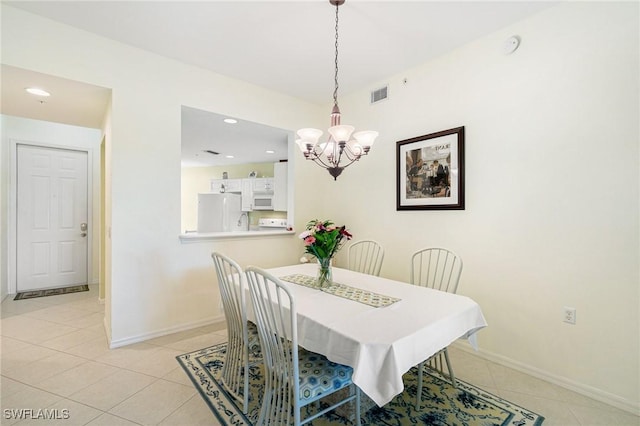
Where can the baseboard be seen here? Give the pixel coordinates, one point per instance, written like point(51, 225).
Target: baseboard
point(586, 390)
point(170, 330)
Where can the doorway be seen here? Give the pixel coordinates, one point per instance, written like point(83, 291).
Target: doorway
point(52, 217)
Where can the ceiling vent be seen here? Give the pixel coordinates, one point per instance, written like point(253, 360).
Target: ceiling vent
point(379, 94)
point(211, 152)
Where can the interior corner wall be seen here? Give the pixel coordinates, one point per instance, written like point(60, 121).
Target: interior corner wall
point(4, 217)
point(105, 216)
point(552, 190)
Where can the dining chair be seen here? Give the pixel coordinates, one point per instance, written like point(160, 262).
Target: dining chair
point(294, 377)
point(365, 256)
point(243, 347)
point(439, 269)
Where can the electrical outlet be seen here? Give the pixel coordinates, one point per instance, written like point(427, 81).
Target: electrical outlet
point(569, 315)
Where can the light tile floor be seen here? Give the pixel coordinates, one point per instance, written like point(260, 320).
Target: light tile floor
point(54, 355)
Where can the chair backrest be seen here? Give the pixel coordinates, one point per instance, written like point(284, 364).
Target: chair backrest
point(436, 268)
point(365, 256)
point(275, 311)
point(230, 277)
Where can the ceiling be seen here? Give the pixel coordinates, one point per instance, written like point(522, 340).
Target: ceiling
point(285, 46)
point(71, 102)
point(245, 141)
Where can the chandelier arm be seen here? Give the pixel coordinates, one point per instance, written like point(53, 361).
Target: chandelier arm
point(352, 159)
point(330, 166)
point(335, 155)
point(316, 151)
point(350, 155)
point(353, 155)
point(318, 160)
point(317, 156)
point(350, 163)
point(337, 150)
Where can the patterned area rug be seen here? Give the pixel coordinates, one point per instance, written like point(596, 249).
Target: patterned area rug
point(442, 404)
point(51, 292)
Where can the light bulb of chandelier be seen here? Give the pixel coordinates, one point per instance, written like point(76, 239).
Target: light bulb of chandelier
point(366, 138)
point(310, 136)
point(301, 144)
point(355, 147)
point(328, 148)
point(341, 133)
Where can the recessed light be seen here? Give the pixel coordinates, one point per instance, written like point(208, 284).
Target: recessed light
point(38, 92)
point(229, 156)
point(230, 120)
point(270, 151)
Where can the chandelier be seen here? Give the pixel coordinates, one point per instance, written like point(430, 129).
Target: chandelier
point(343, 147)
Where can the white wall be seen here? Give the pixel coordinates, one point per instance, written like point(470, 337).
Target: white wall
point(545, 225)
point(552, 166)
point(16, 130)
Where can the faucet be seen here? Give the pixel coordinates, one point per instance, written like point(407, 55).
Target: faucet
point(246, 216)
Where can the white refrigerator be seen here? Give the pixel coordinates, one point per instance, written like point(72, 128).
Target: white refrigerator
point(220, 213)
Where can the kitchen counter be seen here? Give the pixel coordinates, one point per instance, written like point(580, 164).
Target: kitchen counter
point(193, 237)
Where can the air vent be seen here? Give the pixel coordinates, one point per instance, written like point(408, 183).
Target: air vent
point(379, 94)
point(211, 152)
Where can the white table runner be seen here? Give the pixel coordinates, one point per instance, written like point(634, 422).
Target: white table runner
point(342, 290)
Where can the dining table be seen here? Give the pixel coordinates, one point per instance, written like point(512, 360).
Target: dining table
point(378, 326)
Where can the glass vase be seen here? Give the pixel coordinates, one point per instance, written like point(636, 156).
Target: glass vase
point(325, 276)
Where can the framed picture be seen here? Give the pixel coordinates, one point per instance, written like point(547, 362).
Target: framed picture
point(430, 171)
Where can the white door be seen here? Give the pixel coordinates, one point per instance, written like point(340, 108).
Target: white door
point(52, 218)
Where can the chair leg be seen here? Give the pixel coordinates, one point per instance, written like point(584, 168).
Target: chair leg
point(357, 405)
point(451, 376)
point(245, 403)
point(419, 392)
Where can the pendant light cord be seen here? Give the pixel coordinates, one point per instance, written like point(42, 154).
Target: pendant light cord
point(335, 90)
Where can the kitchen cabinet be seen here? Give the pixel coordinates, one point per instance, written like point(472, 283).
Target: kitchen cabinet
point(262, 185)
point(230, 185)
point(257, 188)
point(247, 195)
point(280, 190)
point(257, 194)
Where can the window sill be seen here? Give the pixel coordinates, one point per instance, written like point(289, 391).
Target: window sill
point(194, 237)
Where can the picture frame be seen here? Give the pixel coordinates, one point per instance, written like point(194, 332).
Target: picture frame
point(430, 171)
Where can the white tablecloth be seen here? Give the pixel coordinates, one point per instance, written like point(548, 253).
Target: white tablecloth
point(381, 344)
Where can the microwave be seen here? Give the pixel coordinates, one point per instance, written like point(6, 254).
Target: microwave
point(262, 202)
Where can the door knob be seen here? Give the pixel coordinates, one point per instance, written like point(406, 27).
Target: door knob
point(84, 234)
point(83, 227)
